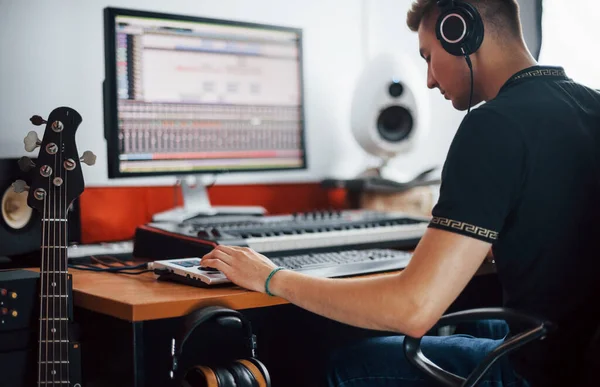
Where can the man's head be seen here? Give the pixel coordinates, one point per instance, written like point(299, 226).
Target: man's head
point(450, 73)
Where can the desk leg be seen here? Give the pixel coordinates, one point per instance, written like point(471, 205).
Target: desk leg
point(138, 354)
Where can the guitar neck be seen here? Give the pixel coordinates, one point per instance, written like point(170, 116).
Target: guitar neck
point(54, 305)
point(56, 181)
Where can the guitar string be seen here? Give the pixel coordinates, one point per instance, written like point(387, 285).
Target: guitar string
point(43, 271)
point(54, 219)
point(46, 274)
point(66, 279)
point(60, 251)
point(61, 211)
point(64, 346)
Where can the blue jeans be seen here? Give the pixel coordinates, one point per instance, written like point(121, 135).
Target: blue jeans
point(380, 362)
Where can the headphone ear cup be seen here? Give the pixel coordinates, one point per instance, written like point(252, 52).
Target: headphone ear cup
point(259, 370)
point(460, 29)
point(201, 376)
point(452, 30)
point(242, 375)
point(225, 378)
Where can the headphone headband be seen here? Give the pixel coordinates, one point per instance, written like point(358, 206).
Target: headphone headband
point(244, 372)
point(445, 3)
point(222, 315)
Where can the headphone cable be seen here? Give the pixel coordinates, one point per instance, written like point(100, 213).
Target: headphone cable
point(468, 59)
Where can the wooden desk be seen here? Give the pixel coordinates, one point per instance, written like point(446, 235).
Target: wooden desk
point(141, 297)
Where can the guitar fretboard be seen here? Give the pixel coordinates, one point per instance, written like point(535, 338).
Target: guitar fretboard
point(54, 305)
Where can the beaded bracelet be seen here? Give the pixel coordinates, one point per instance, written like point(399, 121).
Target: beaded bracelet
point(269, 279)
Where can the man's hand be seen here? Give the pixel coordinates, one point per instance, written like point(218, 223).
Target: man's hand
point(242, 266)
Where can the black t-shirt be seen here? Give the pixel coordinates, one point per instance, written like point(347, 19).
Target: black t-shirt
point(523, 173)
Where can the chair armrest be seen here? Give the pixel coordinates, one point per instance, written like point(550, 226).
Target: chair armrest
point(539, 329)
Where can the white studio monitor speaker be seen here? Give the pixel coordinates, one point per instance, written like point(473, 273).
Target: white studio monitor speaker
point(389, 116)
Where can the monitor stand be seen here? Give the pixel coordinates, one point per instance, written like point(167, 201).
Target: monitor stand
point(197, 203)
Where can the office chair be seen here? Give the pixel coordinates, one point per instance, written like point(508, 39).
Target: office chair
point(539, 329)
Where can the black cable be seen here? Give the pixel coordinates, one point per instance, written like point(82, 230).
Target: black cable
point(99, 261)
point(468, 59)
point(87, 264)
point(122, 268)
point(110, 271)
point(118, 269)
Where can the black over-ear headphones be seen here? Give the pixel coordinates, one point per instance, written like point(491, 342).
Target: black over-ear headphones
point(459, 27)
point(242, 372)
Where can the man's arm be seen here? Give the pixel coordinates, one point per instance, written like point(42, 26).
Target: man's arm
point(410, 302)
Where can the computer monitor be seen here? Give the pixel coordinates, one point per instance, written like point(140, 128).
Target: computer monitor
point(186, 95)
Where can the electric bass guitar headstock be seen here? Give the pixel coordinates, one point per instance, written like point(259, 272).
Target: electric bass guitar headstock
point(58, 179)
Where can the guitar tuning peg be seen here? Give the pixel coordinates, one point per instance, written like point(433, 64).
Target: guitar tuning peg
point(31, 141)
point(25, 164)
point(20, 186)
point(88, 158)
point(37, 120)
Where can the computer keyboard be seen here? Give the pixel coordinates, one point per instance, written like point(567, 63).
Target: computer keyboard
point(324, 264)
point(313, 261)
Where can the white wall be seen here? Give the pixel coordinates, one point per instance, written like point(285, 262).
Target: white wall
point(52, 54)
point(577, 50)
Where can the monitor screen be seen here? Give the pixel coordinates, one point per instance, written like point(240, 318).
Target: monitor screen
point(190, 95)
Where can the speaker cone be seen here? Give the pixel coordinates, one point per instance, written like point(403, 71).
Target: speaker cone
point(15, 211)
point(394, 123)
point(395, 89)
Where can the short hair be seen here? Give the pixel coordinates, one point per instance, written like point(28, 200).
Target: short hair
point(497, 15)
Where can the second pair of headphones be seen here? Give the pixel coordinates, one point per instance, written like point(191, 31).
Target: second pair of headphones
point(459, 27)
point(245, 371)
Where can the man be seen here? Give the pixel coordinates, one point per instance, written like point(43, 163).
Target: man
point(522, 178)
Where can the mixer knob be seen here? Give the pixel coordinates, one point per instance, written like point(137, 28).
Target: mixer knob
point(203, 234)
